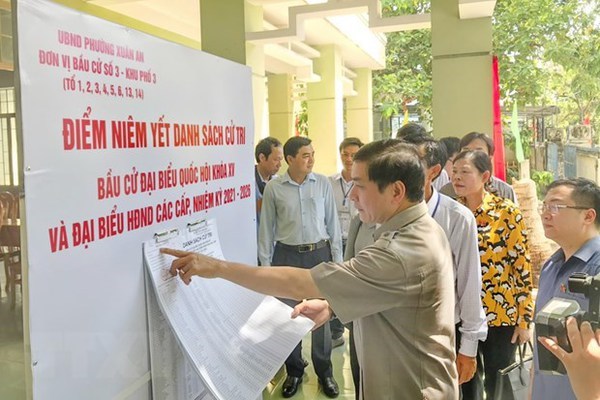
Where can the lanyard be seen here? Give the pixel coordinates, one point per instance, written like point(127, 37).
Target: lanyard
point(437, 204)
point(345, 193)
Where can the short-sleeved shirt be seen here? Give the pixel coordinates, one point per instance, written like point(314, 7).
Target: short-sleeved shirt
point(399, 292)
point(360, 235)
point(553, 282)
point(345, 207)
point(459, 224)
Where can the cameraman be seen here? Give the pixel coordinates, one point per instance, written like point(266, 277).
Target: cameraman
point(570, 216)
point(583, 363)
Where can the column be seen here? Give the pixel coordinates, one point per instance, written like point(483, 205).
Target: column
point(255, 59)
point(325, 110)
point(359, 108)
point(281, 106)
point(462, 71)
point(222, 29)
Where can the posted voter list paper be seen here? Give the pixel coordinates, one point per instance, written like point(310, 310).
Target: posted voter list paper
point(235, 339)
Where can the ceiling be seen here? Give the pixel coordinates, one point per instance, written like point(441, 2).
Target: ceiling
point(292, 28)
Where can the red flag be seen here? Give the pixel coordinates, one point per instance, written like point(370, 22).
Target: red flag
point(499, 167)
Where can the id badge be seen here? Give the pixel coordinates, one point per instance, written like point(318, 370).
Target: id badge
point(345, 219)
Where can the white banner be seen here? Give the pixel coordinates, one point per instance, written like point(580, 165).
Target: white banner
point(124, 135)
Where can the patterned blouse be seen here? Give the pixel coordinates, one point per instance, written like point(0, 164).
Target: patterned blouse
point(505, 263)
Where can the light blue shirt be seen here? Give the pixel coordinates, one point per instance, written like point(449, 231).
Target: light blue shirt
point(460, 227)
point(297, 214)
point(553, 282)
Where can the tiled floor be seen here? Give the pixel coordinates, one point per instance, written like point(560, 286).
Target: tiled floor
point(310, 389)
point(12, 371)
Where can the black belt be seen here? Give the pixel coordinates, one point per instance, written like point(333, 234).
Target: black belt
point(304, 248)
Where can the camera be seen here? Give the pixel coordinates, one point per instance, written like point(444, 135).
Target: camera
point(551, 319)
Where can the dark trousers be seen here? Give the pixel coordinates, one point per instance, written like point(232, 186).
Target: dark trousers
point(496, 353)
point(321, 338)
point(337, 328)
point(354, 366)
point(475, 385)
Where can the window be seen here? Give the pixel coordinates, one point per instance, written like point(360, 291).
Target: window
point(9, 170)
point(6, 37)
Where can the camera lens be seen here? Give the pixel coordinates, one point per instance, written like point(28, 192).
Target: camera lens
point(580, 282)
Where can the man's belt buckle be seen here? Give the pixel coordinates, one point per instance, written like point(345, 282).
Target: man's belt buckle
point(305, 248)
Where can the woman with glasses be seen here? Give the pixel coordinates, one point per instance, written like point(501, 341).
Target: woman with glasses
point(506, 269)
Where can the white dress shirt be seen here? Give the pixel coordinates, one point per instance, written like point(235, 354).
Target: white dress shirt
point(460, 227)
point(442, 180)
point(345, 207)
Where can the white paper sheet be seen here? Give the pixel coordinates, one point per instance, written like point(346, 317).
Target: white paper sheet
point(236, 339)
point(173, 375)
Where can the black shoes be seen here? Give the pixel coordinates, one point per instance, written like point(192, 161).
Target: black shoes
point(290, 386)
point(330, 387)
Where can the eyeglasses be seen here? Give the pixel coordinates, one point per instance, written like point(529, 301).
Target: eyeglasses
point(553, 209)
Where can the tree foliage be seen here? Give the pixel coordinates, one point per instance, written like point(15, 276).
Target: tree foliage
point(576, 79)
point(547, 49)
point(522, 29)
point(407, 76)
